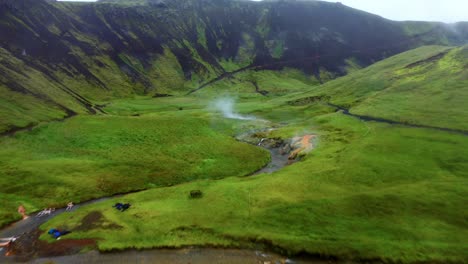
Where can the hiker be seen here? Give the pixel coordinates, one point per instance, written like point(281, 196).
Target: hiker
point(41, 213)
point(22, 211)
point(56, 233)
point(46, 211)
point(69, 206)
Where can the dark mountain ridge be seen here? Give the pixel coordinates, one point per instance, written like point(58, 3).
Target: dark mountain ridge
point(63, 58)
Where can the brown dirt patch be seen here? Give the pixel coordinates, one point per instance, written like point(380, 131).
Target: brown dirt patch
point(95, 220)
point(65, 247)
point(28, 246)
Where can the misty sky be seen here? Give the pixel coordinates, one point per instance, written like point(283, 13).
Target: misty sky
point(425, 10)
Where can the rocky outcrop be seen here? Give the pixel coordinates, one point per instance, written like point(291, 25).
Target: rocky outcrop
point(294, 147)
point(300, 146)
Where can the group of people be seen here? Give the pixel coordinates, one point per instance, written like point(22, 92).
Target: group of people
point(6, 242)
point(121, 206)
point(55, 233)
point(46, 211)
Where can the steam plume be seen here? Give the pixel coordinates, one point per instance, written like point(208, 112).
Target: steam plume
point(226, 107)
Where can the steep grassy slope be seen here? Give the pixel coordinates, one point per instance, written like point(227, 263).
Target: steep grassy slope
point(71, 57)
point(368, 190)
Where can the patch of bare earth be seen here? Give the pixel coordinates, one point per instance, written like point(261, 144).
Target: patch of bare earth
point(29, 246)
point(95, 220)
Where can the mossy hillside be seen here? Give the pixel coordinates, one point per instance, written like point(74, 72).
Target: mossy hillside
point(167, 74)
point(206, 70)
point(88, 157)
point(427, 32)
point(29, 93)
point(258, 83)
point(22, 111)
point(412, 87)
point(230, 65)
point(108, 81)
point(90, 74)
point(368, 190)
point(352, 65)
point(78, 47)
point(34, 86)
point(33, 90)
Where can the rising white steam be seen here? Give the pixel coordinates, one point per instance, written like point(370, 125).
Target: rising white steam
point(226, 107)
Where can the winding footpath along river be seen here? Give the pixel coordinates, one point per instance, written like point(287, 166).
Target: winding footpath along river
point(193, 255)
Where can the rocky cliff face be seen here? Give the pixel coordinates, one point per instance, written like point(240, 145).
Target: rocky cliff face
point(62, 58)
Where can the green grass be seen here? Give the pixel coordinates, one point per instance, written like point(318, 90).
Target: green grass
point(145, 105)
point(276, 83)
point(92, 156)
point(32, 98)
point(368, 190)
point(21, 111)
